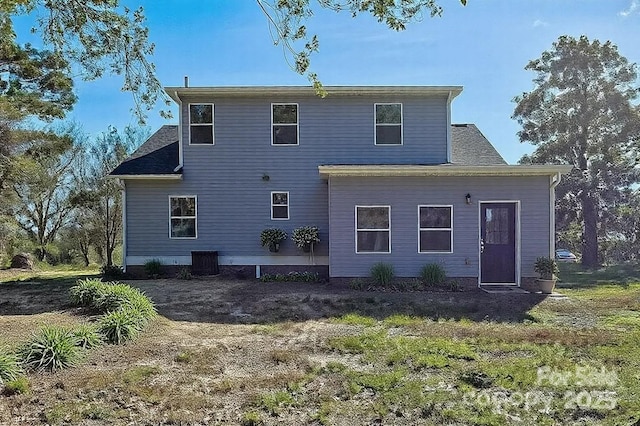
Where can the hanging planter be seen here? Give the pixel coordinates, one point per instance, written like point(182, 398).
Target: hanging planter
point(274, 247)
point(272, 238)
point(305, 237)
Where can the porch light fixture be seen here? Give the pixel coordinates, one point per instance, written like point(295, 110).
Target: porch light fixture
point(468, 198)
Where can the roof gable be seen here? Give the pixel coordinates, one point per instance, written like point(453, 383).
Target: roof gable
point(158, 155)
point(469, 147)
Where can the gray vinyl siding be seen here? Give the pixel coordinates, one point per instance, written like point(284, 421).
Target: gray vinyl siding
point(404, 194)
point(234, 199)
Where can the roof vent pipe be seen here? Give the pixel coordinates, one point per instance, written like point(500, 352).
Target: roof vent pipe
point(186, 81)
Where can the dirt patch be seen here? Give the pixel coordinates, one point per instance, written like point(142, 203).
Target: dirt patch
point(221, 350)
point(223, 300)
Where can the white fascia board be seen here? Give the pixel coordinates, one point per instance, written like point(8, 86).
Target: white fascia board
point(441, 170)
point(147, 177)
point(176, 93)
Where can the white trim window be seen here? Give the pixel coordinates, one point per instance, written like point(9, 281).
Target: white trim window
point(435, 229)
point(279, 205)
point(388, 124)
point(373, 229)
point(201, 124)
point(284, 124)
point(183, 216)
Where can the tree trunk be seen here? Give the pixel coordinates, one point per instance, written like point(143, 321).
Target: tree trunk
point(41, 253)
point(589, 232)
point(85, 259)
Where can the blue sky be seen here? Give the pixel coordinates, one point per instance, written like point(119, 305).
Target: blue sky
point(483, 47)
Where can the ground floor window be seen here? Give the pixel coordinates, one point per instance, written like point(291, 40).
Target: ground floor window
point(435, 229)
point(279, 205)
point(183, 217)
point(373, 229)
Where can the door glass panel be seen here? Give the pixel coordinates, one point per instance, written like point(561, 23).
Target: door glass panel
point(497, 229)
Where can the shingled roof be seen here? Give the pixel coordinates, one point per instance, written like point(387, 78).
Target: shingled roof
point(469, 147)
point(159, 154)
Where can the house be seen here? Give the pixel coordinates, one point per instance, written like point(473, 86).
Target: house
point(381, 171)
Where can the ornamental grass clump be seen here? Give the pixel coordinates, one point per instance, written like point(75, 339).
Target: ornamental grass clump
point(86, 291)
point(119, 326)
point(382, 274)
point(153, 268)
point(9, 366)
point(126, 310)
point(87, 336)
point(52, 348)
point(432, 274)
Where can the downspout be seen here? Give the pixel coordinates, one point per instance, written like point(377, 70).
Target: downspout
point(449, 97)
point(180, 153)
point(123, 191)
point(554, 181)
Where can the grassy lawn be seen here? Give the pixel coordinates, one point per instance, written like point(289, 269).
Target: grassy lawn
point(56, 274)
point(355, 358)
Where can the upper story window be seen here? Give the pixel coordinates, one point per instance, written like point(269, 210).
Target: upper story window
point(284, 124)
point(388, 124)
point(435, 229)
point(183, 217)
point(373, 229)
point(201, 124)
point(279, 205)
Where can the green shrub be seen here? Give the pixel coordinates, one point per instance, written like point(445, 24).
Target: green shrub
point(87, 337)
point(382, 274)
point(86, 291)
point(409, 285)
point(113, 297)
point(357, 284)
point(109, 297)
point(306, 276)
point(184, 274)
point(153, 268)
point(9, 367)
point(19, 385)
point(433, 274)
point(127, 310)
point(111, 271)
point(454, 285)
point(119, 326)
point(52, 348)
point(141, 303)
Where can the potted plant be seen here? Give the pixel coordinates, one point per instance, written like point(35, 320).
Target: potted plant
point(547, 268)
point(272, 237)
point(305, 237)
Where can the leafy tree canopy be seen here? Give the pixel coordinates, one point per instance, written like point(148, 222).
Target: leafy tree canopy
point(582, 112)
point(104, 37)
point(287, 22)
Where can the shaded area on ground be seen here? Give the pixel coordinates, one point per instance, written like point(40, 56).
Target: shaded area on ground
point(231, 301)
